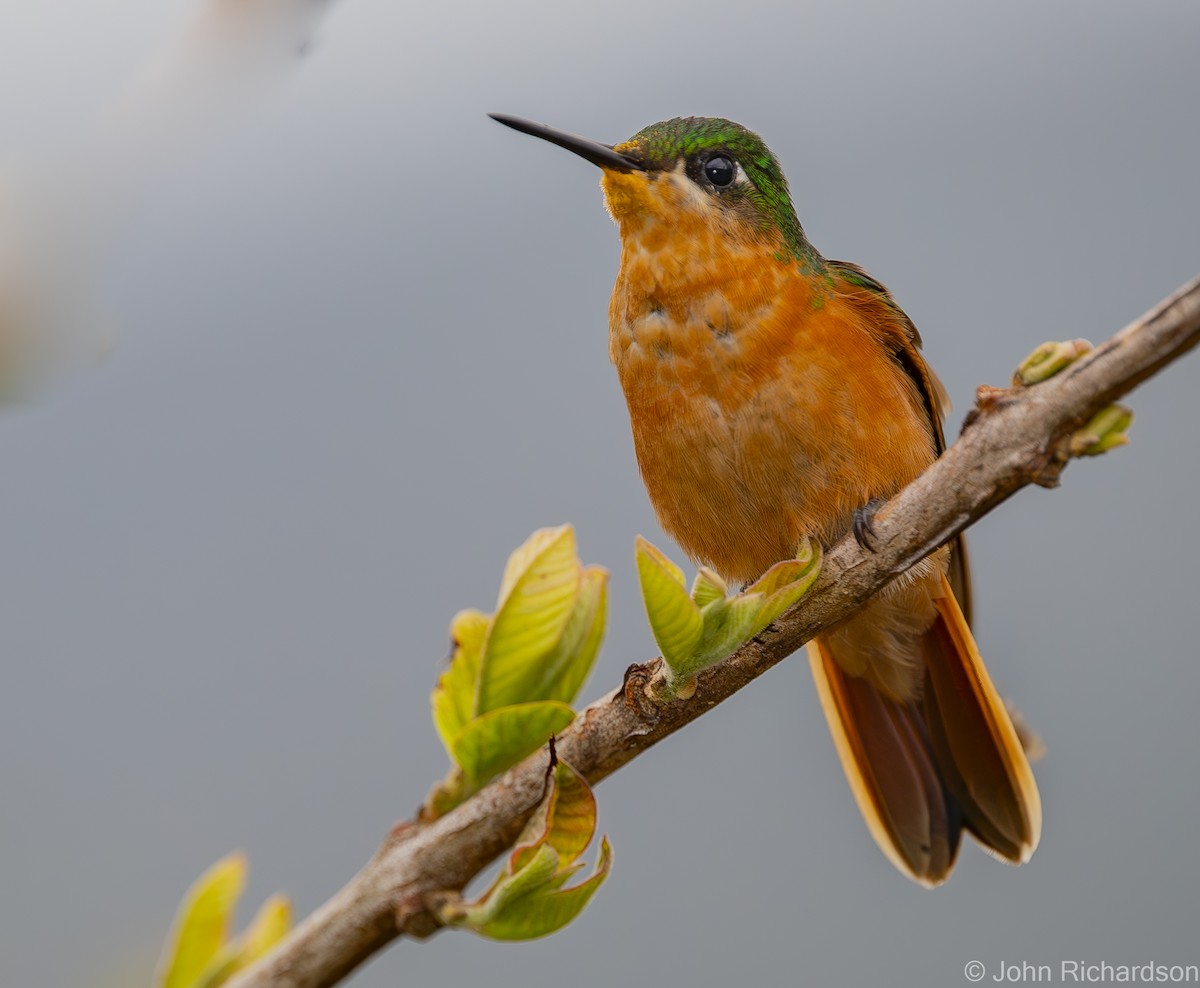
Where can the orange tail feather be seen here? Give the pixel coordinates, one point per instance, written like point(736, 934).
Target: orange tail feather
point(923, 770)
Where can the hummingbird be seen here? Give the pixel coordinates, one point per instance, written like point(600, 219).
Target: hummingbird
point(775, 394)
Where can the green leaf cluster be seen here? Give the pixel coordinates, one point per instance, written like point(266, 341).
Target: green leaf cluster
point(1107, 428)
point(514, 673)
point(527, 899)
point(698, 629)
point(200, 952)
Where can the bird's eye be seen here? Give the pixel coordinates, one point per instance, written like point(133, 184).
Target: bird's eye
point(720, 170)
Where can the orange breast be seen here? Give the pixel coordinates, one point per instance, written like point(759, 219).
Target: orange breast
point(763, 402)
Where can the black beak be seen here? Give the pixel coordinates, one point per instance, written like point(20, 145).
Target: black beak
point(598, 154)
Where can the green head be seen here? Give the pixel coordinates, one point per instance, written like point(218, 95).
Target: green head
point(727, 162)
point(703, 164)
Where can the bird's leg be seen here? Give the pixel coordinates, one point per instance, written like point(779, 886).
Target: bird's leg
point(864, 523)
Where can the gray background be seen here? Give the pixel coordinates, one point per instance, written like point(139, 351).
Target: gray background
point(363, 354)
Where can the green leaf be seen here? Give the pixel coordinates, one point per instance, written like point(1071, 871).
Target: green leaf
point(561, 673)
point(269, 926)
point(454, 696)
point(566, 820)
point(786, 582)
point(675, 619)
point(527, 899)
point(202, 924)
point(535, 872)
point(513, 674)
point(707, 587)
point(698, 631)
point(727, 624)
point(219, 968)
point(537, 597)
point(499, 739)
point(545, 911)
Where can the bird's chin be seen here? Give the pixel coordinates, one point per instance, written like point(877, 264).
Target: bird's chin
point(625, 195)
point(666, 199)
point(628, 196)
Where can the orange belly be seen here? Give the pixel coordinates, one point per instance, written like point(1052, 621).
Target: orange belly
point(757, 421)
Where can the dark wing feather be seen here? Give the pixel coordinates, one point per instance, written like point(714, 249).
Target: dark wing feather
point(905, 348)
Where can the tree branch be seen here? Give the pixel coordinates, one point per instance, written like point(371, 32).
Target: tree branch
point(1011, 439)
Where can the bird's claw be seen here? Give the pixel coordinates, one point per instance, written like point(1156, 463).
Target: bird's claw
point(864, 523)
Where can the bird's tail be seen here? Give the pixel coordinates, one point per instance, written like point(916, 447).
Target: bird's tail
point(923, 770)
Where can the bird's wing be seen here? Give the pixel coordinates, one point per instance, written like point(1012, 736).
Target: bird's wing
point(904, 343)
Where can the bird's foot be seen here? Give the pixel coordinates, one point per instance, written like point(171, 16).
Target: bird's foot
point(864, 523)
